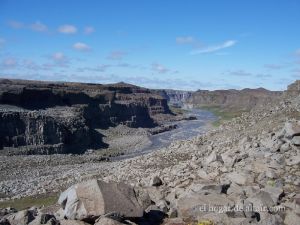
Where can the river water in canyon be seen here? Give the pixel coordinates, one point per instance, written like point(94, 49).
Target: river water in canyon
point(186, 129)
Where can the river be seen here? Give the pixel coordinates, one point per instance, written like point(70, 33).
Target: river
point(186, 129)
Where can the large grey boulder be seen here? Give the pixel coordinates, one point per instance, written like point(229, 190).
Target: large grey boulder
point(275, 193)
point(194, 206)
point(90, 199)
point(72, 222)
point(262, 200)
point(107, 221)
point(291, 129)
point(239, 178)
point(43, 218)
point(291, 218)
point(156, 181)
point(22, 217)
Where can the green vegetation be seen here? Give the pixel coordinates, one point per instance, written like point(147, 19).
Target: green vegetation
point(28, 202)
point(271, 183)
point(222, 114)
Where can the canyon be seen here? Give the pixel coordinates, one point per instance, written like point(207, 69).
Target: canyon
point(245, 171)
point(47, 117)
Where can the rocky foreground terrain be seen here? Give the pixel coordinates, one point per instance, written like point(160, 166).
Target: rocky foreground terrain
point(247, 171)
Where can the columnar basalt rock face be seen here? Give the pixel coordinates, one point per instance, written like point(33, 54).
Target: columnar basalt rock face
point(293, 89)
point(244, 99)
point(44, 117)
point(175, 97)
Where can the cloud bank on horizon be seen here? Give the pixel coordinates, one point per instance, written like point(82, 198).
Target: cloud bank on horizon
point(180, 45)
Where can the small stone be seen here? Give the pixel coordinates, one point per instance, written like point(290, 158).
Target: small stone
point(296, 140)
point(156, 181)
point(172, 213)
point(271, 174)
point(291, 218)
point(107, 221)
point(238, 178)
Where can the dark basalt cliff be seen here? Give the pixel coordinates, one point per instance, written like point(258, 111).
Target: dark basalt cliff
point(46, 117)
point(293, 89)
point(175, 97)
point(244, 99)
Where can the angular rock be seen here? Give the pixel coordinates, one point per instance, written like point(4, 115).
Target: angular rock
point(213, 157)
point(22, 217)
point(143, 197)
point(296, 140)
point(107, 221)
point(294, 160)
point(90, 199)
point(238, 178)
point(156, 181)
point(208, 188)
point(197, 205)
point(72, 222)
point(291, 129)
point(44, 219)
point(7, 211)
point(275, 193)
point(155, 193)
point(291, 218)
point(261, 200)
point(4, 222)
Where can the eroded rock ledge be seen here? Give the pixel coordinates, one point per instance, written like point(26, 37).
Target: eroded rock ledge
point(45, 117)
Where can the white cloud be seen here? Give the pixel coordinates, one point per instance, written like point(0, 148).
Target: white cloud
point(240, 73)
point(213, 48)
point(81, 47)
point(2, 42)
point(273, 66)
point(159, 68)
point(89, 30)
point(15, 24)
point(298, 52)
point(59, 59)
point(116, 55)
point(185, 40)
point(9, 63)
point(67, 29)
point(38, 26)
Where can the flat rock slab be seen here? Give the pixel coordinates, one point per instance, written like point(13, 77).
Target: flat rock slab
point(237, 178)
point(197, 205)
point(107, 221)
point(94, 198)
point(72, 222)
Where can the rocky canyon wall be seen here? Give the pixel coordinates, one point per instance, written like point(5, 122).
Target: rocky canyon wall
point(46, 117)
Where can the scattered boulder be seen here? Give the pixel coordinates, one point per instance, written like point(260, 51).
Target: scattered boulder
point(291, 129)
point(7, 211)
point(72, 222)
point(107, 221)
point(156, 181)
point(238, 178)
point(91, 199)
point(143, 197)
point(197, 205)
point(44, 219)
point(213, 157)
point(4, 222)
point(291, 218)
point(261, 200)
point(22, 217)
point(275, 193)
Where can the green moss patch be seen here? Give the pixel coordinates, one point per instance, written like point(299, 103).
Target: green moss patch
point(27, 202)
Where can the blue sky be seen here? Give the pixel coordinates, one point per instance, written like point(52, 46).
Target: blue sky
point(189, 45)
